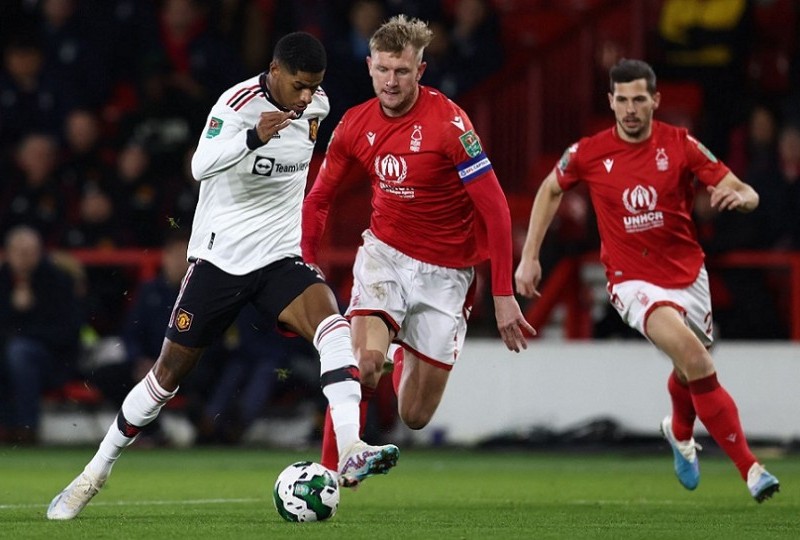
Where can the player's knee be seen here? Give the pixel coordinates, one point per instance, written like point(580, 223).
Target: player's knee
point(697, 364)
point(415, 418)
point(370, 364)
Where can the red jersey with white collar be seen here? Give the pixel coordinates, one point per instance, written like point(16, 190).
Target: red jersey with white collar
point(643, 194)
point(435, 195)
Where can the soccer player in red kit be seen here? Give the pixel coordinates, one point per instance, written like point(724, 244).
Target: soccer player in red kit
point(435, 202)
point(640, 175)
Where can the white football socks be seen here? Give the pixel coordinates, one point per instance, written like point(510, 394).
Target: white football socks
point(332, 340)
point(141, 406)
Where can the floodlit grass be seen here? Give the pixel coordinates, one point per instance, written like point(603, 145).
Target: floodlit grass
point(448, 494)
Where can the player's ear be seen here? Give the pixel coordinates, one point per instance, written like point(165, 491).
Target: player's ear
point(656, 100)
point(369, 63)
point(421, 70)
point(611, 101)
point(274, 68)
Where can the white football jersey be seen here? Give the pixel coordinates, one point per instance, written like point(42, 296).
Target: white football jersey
point(249, 210)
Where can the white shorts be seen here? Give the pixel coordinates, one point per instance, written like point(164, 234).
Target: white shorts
point(427, 305)
point(635, 300)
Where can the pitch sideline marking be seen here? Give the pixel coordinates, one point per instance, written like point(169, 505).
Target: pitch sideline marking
point(139, 503)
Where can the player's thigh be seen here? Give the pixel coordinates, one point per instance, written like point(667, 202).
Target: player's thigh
point(667, 330)
point(436, 324)
point(381, 279)
point(208, 302)
point(636, 300)
point(295, 296)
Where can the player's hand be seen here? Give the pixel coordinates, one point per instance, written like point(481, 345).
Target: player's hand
point(725, 198)
point(270, 123)
point(511, 323)
point(527, 277)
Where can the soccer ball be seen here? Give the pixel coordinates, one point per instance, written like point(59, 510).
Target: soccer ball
point(306, 491)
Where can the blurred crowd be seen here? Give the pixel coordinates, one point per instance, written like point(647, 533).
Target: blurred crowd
point(102, 101)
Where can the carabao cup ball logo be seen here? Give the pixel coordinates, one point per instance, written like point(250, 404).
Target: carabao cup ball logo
point(640, 199)
point(306, 491)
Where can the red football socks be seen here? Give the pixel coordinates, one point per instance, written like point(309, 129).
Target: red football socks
point(718, 412)
point(683, 414)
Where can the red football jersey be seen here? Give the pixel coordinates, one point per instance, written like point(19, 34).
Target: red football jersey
point(643, 194)
point(430, 181)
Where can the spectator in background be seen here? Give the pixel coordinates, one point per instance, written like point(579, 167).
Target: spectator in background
point(753, 146)
point(436, 55)
point(98, 223)
point(86, 162)
point(94, 218)
point(464, 50)
point(75, 53)
point(29, 100)
point(182, 193)
point(139, 196)
point(188, 67)
point(199, 65)
point(475, 49)
point(32, 195)
point(708, 41)
point(320, 18)
point(129, 30)
point(40, 324)
point(780, 192)
point(349, 83)
point(247, 25)
point(424, 10)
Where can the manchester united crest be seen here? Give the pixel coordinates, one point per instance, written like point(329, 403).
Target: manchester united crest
point(183, 320)
point(313, 129)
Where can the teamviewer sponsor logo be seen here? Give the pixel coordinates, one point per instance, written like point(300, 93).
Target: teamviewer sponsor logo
point(264, 166)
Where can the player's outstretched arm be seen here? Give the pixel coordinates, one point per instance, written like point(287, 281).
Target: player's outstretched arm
point(733, 194)
point(529, 271)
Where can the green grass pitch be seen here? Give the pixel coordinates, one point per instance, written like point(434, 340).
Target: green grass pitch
point(440, 494)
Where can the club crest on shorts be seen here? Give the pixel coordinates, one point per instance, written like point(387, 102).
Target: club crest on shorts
point(183, 320)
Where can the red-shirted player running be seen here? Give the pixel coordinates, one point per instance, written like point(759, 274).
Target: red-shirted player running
point(641, 175)
point(435, 201)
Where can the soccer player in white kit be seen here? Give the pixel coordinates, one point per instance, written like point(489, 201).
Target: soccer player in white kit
point(640, 174)
point(437, 211)
point(252, 161)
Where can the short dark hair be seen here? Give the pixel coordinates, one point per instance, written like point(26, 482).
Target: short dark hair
point(628, 70)
point(300, 51)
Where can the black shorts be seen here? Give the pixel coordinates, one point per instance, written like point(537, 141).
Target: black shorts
point(210, 299)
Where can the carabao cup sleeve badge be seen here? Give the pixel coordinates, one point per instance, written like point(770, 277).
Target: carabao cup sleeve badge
point(214, 127)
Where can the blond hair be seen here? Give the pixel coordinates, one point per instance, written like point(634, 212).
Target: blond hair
point(400, 32)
